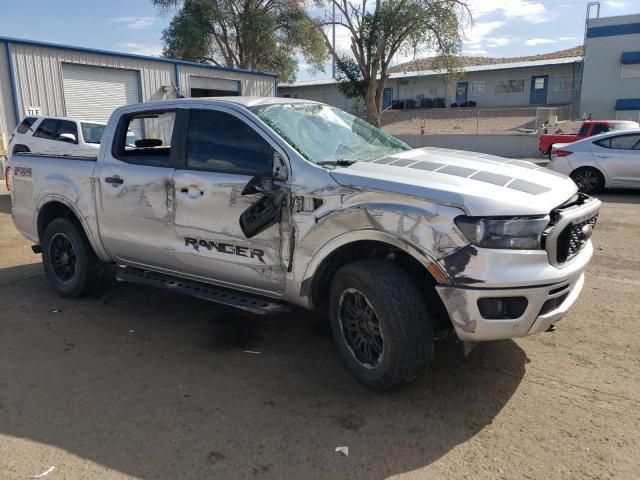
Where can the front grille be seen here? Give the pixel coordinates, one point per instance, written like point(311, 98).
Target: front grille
point(570, 227)
point(572, 239)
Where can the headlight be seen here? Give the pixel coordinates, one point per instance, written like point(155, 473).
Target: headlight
point(522, 233)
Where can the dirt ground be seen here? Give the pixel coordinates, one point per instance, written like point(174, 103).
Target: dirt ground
point(142, 384)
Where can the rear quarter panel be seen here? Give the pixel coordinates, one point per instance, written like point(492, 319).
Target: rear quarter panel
point(38, 180)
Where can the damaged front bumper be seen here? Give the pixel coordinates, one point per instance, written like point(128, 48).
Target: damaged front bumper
point(546, 303)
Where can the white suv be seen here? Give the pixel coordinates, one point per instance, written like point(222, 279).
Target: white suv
point(57, 136)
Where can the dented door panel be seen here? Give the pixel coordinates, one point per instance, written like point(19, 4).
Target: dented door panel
point(135, 218)
point(209, 241)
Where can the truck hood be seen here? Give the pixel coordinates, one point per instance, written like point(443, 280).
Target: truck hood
point(483, 185)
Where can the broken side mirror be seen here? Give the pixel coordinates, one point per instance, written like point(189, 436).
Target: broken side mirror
point(259, 184)
point(261, 215)
point(279, 167)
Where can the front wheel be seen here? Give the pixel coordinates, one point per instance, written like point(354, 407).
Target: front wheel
point(589, 180)
point(380, 323)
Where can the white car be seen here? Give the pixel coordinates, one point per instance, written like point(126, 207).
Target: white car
point(610, 160)
point(59, 136)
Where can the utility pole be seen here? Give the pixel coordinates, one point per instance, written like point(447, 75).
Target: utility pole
point(333, 58)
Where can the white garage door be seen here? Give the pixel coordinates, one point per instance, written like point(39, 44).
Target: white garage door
point(92, 93)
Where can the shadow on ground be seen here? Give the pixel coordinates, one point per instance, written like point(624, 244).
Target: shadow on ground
point(619, 195)
point(157, 385)
point(5, 204)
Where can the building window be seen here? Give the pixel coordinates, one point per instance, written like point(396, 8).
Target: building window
point(477, 88)
point(433, 92)
point(510, 86)
point(631, 70)
point(563, 83)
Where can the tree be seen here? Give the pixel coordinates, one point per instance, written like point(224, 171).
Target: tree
point(380, 29)
point(350, 81)
point(251, 34)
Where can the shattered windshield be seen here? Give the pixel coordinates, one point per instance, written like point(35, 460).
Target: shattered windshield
point(324, 134)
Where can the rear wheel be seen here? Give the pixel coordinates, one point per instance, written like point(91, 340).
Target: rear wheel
point(380, 323)
point(588, 180)
point(70, 264)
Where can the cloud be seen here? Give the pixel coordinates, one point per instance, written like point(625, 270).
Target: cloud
point(532, 42)
point(530, 11)
point(616, 4)
point(480, 30)
point(498, 41)
point(151, 50)
point(135, 23)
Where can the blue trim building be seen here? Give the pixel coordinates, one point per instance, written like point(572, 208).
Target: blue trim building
point(611, 77)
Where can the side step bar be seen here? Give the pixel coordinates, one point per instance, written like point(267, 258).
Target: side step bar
point(232, 298)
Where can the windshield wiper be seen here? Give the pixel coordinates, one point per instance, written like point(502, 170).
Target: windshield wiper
point(337, 163)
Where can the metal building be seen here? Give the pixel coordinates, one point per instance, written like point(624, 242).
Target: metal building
point(39, 78)
point(611, 81)
point(508, 82)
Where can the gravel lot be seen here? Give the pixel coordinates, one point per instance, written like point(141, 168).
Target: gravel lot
point(142, 384)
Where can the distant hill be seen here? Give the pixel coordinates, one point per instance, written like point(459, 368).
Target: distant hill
point(421, 64)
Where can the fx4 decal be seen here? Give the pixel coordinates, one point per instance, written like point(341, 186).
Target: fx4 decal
point(227, 248)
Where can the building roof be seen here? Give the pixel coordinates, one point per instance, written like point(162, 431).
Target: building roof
point(480, 64)
point(426, 63)
point(37, 43)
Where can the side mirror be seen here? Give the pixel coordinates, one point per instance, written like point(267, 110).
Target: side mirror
point(279, 167)
point(67, 137)
point(259, 184)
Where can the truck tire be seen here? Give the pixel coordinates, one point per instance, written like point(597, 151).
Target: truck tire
point(589, 180)
point(70, 264)
point(380, 322)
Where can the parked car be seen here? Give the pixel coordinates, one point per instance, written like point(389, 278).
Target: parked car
point(259, 203)
point(587, 129)
point(604, 161)
point(59, 136)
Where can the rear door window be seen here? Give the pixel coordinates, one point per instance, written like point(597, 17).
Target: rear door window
point(220, 142)
point(625, 142)
point(26, 124)
point(145, 138)
point(606, 143)
point(47, 129)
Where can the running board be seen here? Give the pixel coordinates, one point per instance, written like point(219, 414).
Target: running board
point(232, 298)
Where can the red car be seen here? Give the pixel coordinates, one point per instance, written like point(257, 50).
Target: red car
point(587, 129)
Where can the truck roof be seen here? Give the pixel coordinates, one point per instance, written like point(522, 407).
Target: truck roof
point(241, 101)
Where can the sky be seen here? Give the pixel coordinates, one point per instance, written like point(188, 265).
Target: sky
point(501, 28)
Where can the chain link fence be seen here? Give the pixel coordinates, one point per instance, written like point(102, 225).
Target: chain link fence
point(506, 120)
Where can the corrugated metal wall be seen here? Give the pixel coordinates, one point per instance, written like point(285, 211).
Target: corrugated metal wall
point(38, 72)
point(253, 85)
point(39, 82)
point(7, 117)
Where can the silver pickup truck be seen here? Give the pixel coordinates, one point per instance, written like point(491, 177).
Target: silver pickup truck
point(261, 203)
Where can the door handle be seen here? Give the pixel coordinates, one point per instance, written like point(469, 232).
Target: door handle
point(114, 181)
point(603, 156)
point(192, 191)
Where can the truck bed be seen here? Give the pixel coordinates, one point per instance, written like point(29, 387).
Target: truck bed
point(37, 176)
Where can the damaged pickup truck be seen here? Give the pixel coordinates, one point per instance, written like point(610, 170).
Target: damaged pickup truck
point(261, 203)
